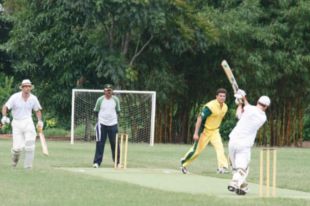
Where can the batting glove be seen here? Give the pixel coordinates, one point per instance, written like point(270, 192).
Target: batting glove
point(5, 120)
point(238, 96)
point(241, 92)
point(40, 124)
point(238, 101)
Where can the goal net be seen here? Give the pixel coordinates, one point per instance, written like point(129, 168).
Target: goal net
point(137, 116)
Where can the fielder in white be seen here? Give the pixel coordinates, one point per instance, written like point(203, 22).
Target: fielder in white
point(24, 132)
point(242, 137)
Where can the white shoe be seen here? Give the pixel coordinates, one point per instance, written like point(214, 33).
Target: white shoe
point(95, 165)
point(222, 170)
point(119, 166)
point(184, 170)
point(232, 186)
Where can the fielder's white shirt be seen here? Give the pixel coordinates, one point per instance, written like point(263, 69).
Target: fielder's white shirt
point(22, 109)
point(245, 131)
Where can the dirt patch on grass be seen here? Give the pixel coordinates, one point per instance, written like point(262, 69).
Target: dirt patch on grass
point(306, 144)
point(9, 136)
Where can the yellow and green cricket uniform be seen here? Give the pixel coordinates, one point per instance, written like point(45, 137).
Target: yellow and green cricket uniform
point(212, 115)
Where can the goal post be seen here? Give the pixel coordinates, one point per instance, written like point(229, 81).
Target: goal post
point(137, 116)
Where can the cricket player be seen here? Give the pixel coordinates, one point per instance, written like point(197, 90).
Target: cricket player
point(24, 132)
point(107, 108)
point(242, 137)
point(207, 130)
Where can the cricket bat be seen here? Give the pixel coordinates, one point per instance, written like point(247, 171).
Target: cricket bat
point(43, 142)
point(230, 75)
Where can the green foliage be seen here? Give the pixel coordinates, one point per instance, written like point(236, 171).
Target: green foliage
point(51, 123)
point(173, 47)
point(5, 58)
point(79, 131)
point(131, 74)
point(49, 48)
point(306, 126)
point(56, 132)
point(6, 86)
point(229, 122)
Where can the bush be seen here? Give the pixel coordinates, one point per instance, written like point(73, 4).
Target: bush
point(54, 132)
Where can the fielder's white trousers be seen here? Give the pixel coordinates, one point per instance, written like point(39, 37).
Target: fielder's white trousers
point(23, 131)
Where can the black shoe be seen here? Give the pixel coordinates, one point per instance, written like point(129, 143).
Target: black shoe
point(15, 161)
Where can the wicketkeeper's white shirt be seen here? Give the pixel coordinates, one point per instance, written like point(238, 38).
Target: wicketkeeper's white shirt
point(22, 109)
point(245, 131)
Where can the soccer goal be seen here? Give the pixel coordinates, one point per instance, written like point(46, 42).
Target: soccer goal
point(137, 116)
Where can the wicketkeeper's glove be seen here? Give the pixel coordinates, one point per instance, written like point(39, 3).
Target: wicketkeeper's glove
point(5, 120)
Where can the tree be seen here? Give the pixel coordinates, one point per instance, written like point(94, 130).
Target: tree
point(48, 47)
point(5, 27)
point(267, 45)
point(94, 41)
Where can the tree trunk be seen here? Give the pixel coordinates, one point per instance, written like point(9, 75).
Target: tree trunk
point(294, 122)
point(188, 126)
point(166, 138)
point(157, 128)
point(171, 117)
point(289, 124)
point(300, 124)
point(184, 127)
point(259, 137)
point(271, 127)
point(160, 126)
point(265, 135)
point(283, 126)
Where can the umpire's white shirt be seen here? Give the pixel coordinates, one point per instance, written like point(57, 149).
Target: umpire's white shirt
point(22, 109)
point(245, 131)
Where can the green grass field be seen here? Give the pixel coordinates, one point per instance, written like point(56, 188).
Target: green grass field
point(51, 182)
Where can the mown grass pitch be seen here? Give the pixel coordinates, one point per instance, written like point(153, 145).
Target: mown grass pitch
point(59, 179)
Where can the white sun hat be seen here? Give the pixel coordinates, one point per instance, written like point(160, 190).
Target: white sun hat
point(26, 82)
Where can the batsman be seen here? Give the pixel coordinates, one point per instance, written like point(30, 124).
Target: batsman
point(242, 137)
point(24, 133)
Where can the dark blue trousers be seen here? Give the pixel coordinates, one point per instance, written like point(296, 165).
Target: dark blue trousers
point(111, 132)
